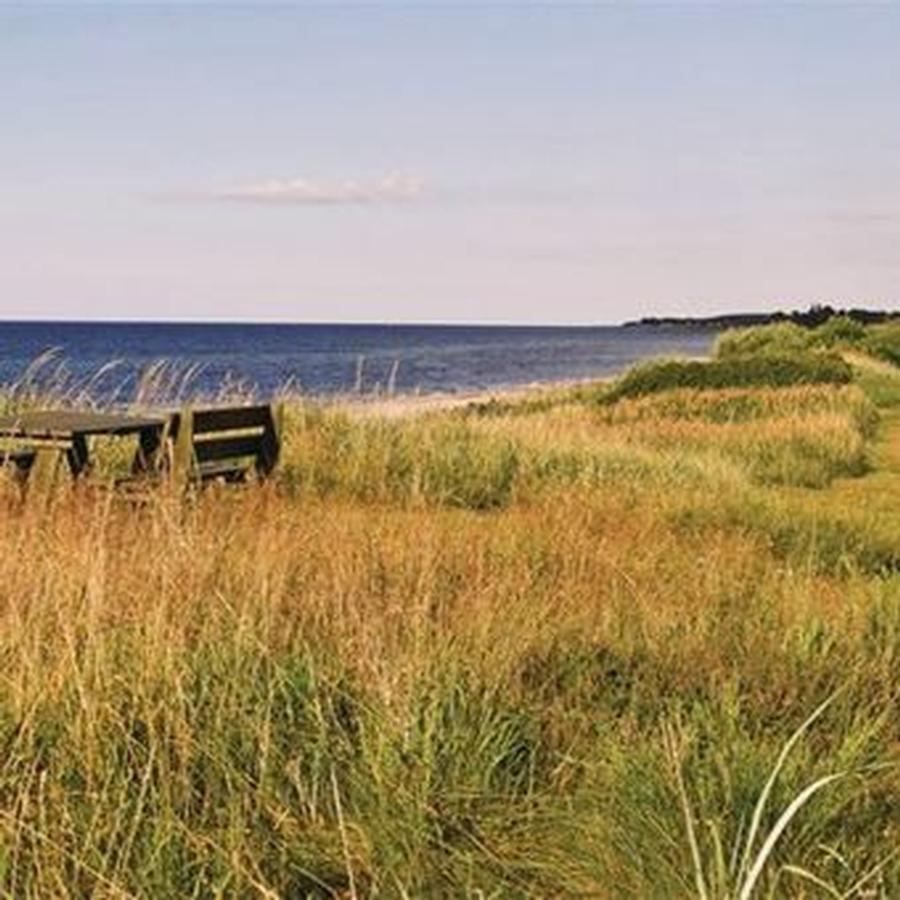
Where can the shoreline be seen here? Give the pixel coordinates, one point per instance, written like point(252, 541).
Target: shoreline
point(403, 405)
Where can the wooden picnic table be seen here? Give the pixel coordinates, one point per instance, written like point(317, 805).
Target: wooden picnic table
point(48, 435)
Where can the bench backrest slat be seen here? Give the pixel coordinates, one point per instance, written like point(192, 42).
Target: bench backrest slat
point(227, 448)
point(233, 418)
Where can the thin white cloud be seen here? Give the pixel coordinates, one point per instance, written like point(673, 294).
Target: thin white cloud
point(392, 188)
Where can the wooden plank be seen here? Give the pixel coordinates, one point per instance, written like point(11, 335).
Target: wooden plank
point(270, 446)
point(227, 448)
point(42, 443)
point(66, 422)
point(43, 476)
point(232, 418)
point(183, 451)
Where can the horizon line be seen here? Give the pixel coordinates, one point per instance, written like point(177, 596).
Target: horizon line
point(411, 323)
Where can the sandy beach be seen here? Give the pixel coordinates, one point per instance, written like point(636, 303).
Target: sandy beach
point(405, 405)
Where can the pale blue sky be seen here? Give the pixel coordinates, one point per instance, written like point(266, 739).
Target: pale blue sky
point(446, 162)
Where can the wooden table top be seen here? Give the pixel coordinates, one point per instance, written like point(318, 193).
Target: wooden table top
point(66, 422)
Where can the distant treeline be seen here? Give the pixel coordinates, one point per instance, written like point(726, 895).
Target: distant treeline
point(811, 318)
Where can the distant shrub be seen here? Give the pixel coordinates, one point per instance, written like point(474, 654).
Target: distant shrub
point(839, 331)
point(783, 338)
point(883, 341)
point(740, 371)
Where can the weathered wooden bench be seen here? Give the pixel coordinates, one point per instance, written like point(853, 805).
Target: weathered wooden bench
point(39, 444)
point(226, 443)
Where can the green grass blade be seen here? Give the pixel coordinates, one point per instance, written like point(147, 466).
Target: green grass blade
point(760, 807)
point(783, 821)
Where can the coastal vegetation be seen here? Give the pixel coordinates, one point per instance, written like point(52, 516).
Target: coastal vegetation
point(637, 639)
point(816, 315)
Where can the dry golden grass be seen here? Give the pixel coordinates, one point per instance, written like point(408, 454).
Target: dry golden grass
point(424, 663)
point(808, 437)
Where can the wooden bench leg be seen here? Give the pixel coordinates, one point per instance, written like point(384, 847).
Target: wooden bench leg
point(148, 459)
point(77, 455)
point(183, 462)
point(270, 446)
point(44, 473)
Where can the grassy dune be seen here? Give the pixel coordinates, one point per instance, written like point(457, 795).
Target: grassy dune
point(553, 647)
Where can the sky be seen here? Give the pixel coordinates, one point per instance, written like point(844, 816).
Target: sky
point(458, 162)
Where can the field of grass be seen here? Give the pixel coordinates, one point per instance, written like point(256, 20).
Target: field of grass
point(645, 647)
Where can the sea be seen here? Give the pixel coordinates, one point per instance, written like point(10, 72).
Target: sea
point(115, 361)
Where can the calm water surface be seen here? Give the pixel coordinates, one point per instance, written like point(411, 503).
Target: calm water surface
point(328, 359)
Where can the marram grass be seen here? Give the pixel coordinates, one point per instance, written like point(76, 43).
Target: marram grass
point(555, 651)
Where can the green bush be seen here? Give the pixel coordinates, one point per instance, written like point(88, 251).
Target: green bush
point(839, 332)
point(883, 341)
point(783, 338)
point(740, 371)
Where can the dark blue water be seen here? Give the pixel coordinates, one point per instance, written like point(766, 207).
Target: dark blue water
point(328, 359)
